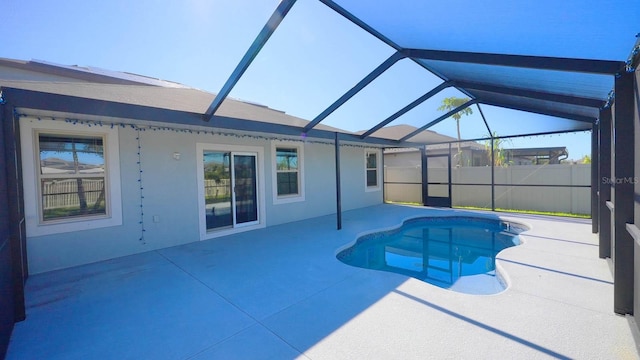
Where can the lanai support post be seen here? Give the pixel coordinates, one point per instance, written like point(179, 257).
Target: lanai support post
point(634, 228)
point(425, 177)
point(595, 183)
point(7, 300)
point(493, 175)
point(13, 168)
point(384, 177)
point(493, 160)
point(450, 174)
point(623, 198)
point(338, 192)
point(604, 175)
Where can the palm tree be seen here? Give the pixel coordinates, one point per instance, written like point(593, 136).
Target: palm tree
point(498, 149)
point(64, 145)
point(82, 197)
point(449, 104)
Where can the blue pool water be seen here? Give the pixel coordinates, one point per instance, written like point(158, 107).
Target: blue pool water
point(456, 253)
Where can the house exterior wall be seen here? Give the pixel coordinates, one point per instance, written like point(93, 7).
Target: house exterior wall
point(320, 187)
point(169, 212)
point(353, 179)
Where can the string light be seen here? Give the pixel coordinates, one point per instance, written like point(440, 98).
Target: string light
point(142, 128)
point(139, 129)
point(140, 184)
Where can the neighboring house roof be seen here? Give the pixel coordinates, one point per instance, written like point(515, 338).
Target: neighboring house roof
point(538, 150)
point(53, 165)
point(464, 145)
point(437, 141)
point(552, 152)
point(397, 132)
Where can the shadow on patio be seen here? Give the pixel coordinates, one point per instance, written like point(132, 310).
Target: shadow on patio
point(280, 292)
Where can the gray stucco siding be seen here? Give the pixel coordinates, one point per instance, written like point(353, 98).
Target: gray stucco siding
point(169, 211)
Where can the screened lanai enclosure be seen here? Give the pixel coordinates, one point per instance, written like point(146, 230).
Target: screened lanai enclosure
point(520, 72)
point(524, 78)
point(522, 92)
point(475, 176)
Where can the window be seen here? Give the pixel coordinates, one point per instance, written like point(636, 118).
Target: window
point(71, 176)
point(287, 171)
point(371, 169)
point(288, 180)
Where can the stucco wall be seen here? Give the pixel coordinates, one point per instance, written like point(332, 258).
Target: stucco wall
point(170, 189)
point(320, 187)
point(352, 174)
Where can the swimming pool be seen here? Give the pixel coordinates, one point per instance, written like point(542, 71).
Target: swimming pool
point(456, 253)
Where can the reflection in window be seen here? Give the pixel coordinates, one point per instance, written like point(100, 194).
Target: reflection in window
point(217, 189)
point(372, 168)
point(72, 176)
point(287, 171)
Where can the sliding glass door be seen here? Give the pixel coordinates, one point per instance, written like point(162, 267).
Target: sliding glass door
point(230, 189)
point(245, 192)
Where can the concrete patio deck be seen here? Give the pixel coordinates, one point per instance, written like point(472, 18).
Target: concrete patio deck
point(280, 293)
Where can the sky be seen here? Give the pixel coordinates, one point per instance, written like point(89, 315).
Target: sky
point(316, 55)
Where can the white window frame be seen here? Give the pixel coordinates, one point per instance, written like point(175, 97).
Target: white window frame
point(285, 199)
point(30, 128)
point(262, 221)
point(378, 170)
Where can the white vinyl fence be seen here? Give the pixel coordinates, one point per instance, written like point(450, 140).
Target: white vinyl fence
point(64, 193)
point(216, 189)
point(403, 184)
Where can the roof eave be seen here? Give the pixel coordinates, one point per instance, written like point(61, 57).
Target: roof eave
point(21, 98)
